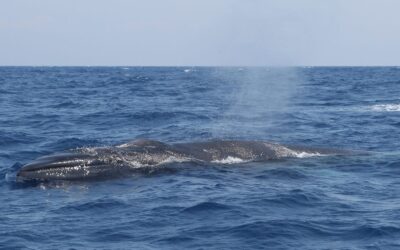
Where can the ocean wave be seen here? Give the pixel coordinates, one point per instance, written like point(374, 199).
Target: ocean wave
point(313, 229)
point(292, 199)
point(65, 104)
point(285, 152)
point(386, 107)
point(278, 229)
point(103, 204)
point(371, 231)
point(305, 154)
point(177, 239)
point(10, 138)
point(206, 207)
point(282, 173)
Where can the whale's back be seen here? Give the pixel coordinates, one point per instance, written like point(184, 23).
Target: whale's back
point(96, 162)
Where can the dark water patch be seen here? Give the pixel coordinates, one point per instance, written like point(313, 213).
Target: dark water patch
point(104, 205)
point(388, 169)
point(85, 93)
point(177, 239)
point(295, 230)
point(108, 235)
point(24, 235)
point(356, 167)
point(206, 207)
point(368, 232)
point(393, 165)
point(8, 139)
point(291, 199)
point(14, 243)
point(280, 229)
point(40, 116)
point(7, 92)
point(395, 124)
point(167, 209)
point(282, 173)
point(40, 121)
point(65, 104)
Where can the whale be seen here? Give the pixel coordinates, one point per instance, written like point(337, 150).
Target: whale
point(90, 163)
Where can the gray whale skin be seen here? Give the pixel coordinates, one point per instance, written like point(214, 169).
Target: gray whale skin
point(122, 160)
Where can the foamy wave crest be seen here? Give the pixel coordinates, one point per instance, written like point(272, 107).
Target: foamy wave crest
point(386, 107)
point(229, 160)
point(284, 152)
point(305, 154)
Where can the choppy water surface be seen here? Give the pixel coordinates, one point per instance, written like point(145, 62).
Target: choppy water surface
point(347, 202)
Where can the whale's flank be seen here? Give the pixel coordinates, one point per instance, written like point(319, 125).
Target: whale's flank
point(120, 160)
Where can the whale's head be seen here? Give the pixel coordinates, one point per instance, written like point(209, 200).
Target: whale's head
point(65, 166)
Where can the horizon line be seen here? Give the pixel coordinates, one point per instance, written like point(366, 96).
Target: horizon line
point(206, 66)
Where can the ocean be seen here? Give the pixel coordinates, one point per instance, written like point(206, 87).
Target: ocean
point(318, 202)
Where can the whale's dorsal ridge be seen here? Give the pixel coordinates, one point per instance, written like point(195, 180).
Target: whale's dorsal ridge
point(142, 143)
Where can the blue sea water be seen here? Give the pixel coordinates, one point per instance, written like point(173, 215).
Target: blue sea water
point(321, 202)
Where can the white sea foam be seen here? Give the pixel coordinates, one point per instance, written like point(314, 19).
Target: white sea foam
point(297, 154)
point(187, 70)
point(305, 154)
point(284, 152)
point(391, 107)
point(229, 160)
